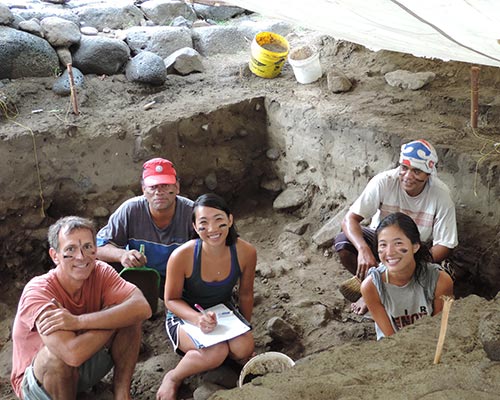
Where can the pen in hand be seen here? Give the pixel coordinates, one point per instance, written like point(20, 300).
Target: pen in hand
point(200, 309)
point(208, 320)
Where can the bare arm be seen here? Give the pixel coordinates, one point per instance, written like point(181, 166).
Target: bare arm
point(351, 225)
point(132, 310)
point(375, 306)
point(60, 330)
point(444, 287)
point(439, 252)
point(127, 258)
point(75, 349)
point(247, 258)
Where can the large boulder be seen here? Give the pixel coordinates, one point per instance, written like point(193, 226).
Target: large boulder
point(163, 12)
point(102, 16)
point(249, 28)
point(43, 11)
point(62, 84)
point(161, 40)
point(31, 26)
point(60, 32)
point(217, 13)
point(184, 61)
point(210, 40)
point(100, 55)
point(146, 67)
point(25, 55)
point(6, 16)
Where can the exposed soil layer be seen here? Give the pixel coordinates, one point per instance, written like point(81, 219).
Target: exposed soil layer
point(248, 138)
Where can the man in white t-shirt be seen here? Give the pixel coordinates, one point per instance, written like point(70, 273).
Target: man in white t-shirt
point(412, 188)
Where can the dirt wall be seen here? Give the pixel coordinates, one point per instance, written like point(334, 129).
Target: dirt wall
point(329, 153)
point(218, 127)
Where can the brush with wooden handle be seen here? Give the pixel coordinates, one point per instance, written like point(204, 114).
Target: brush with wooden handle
point(351, 289)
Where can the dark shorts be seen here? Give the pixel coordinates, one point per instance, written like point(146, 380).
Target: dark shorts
point(91, 372)
point(342, 243)
point(172, 325)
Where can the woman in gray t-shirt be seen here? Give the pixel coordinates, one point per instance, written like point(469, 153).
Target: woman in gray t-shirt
point(406, 285)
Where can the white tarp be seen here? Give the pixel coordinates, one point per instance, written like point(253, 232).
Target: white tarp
point(461, 30)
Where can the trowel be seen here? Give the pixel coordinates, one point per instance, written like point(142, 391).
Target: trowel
point(146, 279)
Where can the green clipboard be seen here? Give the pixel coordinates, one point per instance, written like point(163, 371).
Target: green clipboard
point(146, 279)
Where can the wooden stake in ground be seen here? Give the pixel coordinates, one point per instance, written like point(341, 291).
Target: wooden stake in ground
point(444, 325)
point(474, 92)
point(72, 89)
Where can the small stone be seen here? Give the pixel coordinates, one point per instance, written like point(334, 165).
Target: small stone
point(291, 197)
point(280, 329)
point(299, 228)
point(409, 80)
point(89, 30)
point(101, 212)
point(273, 185)
point(64, 55)
point(181, 21)
point(273, 154)
point(338, 82)
point(211, 181)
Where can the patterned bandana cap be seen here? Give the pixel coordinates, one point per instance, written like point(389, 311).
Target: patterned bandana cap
point(419, 154)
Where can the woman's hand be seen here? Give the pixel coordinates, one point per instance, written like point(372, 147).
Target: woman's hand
point(207, 321)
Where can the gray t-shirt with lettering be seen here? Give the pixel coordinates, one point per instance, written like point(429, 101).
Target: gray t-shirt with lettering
point(405, 304)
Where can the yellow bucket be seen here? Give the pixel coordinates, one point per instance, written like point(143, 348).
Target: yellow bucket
point(269, 51)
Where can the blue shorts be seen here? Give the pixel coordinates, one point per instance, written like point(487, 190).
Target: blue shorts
point(90, 372)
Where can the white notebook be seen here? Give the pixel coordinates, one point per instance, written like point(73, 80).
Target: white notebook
point(230, 323)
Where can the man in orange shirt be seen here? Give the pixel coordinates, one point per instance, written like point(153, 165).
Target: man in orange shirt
point(76, 322)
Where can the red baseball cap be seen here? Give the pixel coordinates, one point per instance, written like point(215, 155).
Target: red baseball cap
point(158, 171)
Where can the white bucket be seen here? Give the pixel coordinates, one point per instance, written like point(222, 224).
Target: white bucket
point(305, 63)
point(264, 363)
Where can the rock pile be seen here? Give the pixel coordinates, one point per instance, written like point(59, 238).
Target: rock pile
point(144, 40)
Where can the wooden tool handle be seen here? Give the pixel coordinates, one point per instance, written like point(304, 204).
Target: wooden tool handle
point(444, 326)
point(74, 101)
point(474, 107)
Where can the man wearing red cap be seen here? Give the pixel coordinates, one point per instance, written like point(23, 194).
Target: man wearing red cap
point(160, 220)
point(412, 188)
